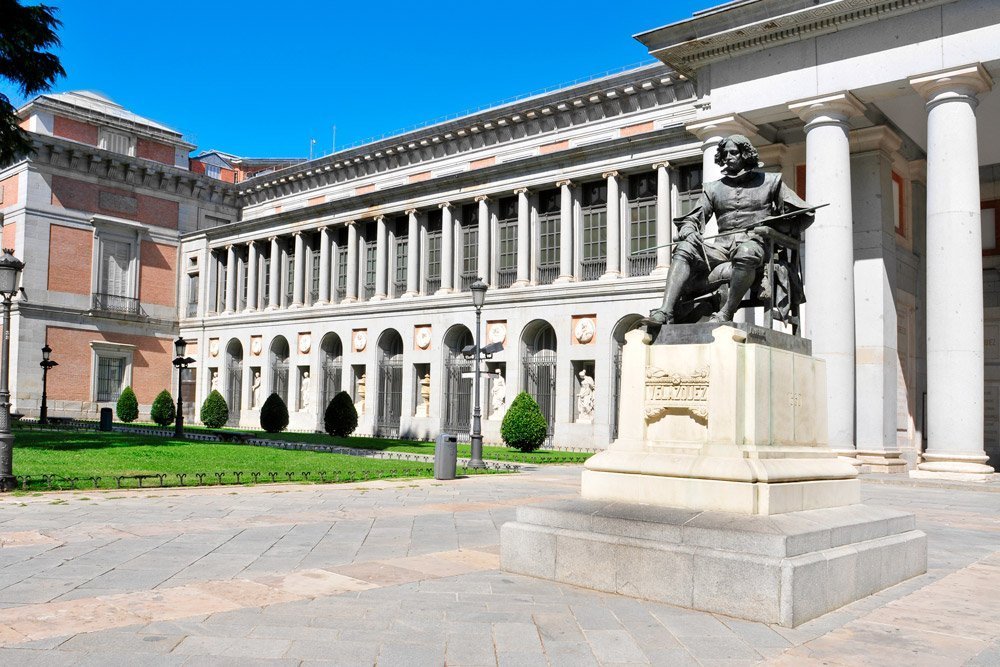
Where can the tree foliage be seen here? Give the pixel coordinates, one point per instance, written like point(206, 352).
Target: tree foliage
point(163, 411)
point(26, 35)
point(524, 426)
point(214, 411)
point(127, 407)
point(274, 414)
point(341, 417)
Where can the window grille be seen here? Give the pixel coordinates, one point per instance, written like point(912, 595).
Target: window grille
point(110, 376)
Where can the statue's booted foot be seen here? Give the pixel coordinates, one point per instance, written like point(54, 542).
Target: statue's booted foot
point(657, 318)
point(720, 317)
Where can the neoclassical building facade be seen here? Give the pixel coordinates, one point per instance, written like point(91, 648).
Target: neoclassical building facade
point(351, 272)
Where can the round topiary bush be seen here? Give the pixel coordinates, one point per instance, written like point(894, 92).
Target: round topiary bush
point(127, 408)
point(341, 417)
point(163, 412)
point(524, 427)
point(214, 411)
point(274, 414)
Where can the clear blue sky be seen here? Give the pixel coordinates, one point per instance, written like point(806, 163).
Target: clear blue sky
point(262, 78)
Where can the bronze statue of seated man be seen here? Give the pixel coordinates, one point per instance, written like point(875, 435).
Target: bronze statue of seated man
point(745, 202)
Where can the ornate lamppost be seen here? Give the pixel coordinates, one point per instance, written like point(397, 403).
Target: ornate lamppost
point(10, 280)
point(180, 363)
point(46, 364)
point(478, 289)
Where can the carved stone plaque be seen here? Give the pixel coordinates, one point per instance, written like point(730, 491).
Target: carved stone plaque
point(665, 391)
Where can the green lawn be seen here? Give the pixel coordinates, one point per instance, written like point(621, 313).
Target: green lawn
point(85, 455)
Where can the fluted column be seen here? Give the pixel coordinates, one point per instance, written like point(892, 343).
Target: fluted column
point(352, 262)
point(252, 257)
point(955, 355)
point(711, 131)
point(299, 279)
point(829, 250)
point(230, 278)
point(447, 249)
point(274, 277)
point(523, 238)
point(412, 254)
point(565, 232)
point(324, 265)
point(612, 270)
point(664, 225)
point(483, 251)
point(381, 257)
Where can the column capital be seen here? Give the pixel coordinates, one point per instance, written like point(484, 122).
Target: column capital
point(564, 183)
point(480, 198)
point(834, 108)
point(251, 242)
point(721, 126)
point(230, 247)
point(610, 174)
point(272, 239)
point(379, 218)
point(444, 205)
point(351, 223)
point(662, 163)
point(323, 228)
point(954, 83)
point(410, 211)
point(520, 191)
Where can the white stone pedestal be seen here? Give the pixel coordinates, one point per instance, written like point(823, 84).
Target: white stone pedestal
point(720, 493)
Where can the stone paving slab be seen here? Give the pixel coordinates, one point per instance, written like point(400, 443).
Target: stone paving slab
point(406, 573)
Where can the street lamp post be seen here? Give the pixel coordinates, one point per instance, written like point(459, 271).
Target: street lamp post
point(180, 363)
point(46, 364)
point(478, 289)
point(10, 279)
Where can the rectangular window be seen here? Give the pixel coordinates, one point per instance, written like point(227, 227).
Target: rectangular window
point(192, 300)
point(433, 261)
point(110, 376)
point(594, 230)
point(898, 208)
point(314, 282)
point(470, 250)
point(549, 204)
point(213, 171)
point(116, 267)
point(642, 224)
point(116, 142)
point(689, 187)
point(265, 293)
point(507, 242)
point(341, 272)
point(244, 275)
point(289, 278)
point(402, 249)
point(371, 254)
point(991, 235)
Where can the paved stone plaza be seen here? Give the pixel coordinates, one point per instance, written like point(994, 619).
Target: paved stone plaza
point(406, 573)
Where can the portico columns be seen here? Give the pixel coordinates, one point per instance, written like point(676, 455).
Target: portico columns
point(252, 255)
point(447, 249)
point(565, 232)
point(352, 262)
point(274, 276)
point(829, 248)
point(711, 131)
point(324, 265)
point(299, 279)
point(523, 238)
point(381, 254)
point(412, 255)
point(230, 278)
point(664, 230)
point(483, 238)
point(612, 270)
point(955, 373)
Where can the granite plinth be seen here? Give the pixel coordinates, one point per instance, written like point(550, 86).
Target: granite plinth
point(701, 334)
point(784, 569)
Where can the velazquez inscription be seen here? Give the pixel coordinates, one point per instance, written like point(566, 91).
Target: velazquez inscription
point(665, 390)
point(110, 201)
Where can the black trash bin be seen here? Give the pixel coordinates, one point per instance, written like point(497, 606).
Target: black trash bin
point(107, 417)
point(445, 456)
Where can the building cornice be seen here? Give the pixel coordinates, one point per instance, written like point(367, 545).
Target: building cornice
point(743, 28)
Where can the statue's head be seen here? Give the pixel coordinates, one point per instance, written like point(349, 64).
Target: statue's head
point(736, 154)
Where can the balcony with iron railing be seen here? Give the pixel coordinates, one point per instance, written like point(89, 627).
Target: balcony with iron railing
point(546, 275)
point(506, 277)
point(117, 305)
point(641, 265)
point(592, 269)
point(433, 285)
point(467, 278)
point(399, 287)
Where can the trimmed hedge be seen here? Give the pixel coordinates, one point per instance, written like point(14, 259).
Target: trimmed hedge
point(163, 411)
point(127, 407)
point(341, 417)
point(524, 426)
point(274, 414)
point(214, 411)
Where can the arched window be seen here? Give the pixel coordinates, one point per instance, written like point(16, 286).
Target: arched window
point(457, 413)
point(538, 362)
point(390, 384)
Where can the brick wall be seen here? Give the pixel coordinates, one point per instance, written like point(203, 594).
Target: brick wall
point(92, 198)
point(71, 380)
point(158, 273)
point(70, 259)
point(154, 150)
point(8, 191)
point(10, 235)
point(74, 130)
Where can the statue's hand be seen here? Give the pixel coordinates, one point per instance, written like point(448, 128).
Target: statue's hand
point(689, 233)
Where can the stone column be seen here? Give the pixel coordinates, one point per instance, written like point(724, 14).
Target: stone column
point(829, 260)
point(412, 254)
point(447, 249)
point(299, 279)
point(252, 256)
point(230, 278)
point(523, 239)
point(664, 225)
point(955, 356)
point(483, 238)
point(324, 265)
point(352, 262)
point(565, 232)
point(274, 288)
point(612, 270)
point(711, 131)
point(334, 259)
point(381, 254)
